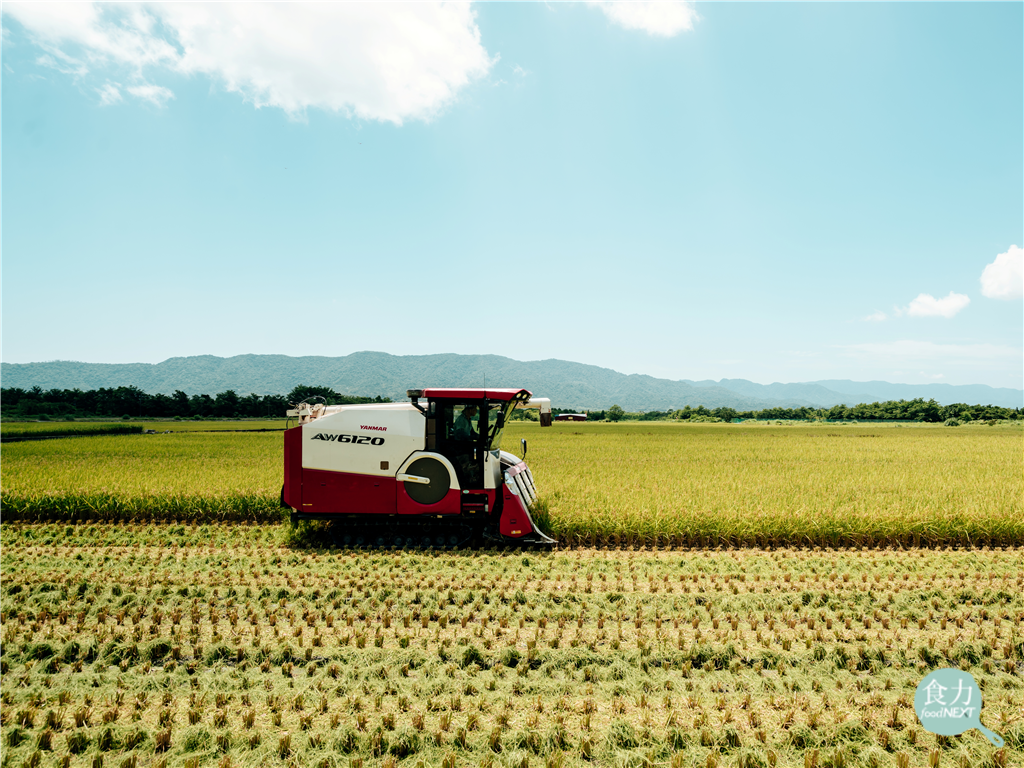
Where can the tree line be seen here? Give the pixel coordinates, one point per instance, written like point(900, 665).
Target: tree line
point(917, 409)
point(134, 403)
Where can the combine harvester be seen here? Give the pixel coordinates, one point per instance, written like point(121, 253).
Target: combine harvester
point(409, 474)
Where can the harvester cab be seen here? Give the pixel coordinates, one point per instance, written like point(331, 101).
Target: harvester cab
point(428, 471)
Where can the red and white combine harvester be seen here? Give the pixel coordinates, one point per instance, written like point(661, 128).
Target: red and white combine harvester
point(417, 473)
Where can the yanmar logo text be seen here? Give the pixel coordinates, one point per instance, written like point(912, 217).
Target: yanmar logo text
point(354, 439)
point(378, 429)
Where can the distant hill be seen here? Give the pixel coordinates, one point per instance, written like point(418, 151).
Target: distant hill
point(843, 391)
point(943, 393)
point(568, 384)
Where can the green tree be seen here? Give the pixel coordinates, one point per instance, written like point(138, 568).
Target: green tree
point(201, 405)
point(615, 413)
point(725, 414)
point(226, 403)
point(181, 406)
point(304, 392)
point(837, 413)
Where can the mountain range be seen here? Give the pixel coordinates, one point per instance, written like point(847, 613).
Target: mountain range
point(568, 384)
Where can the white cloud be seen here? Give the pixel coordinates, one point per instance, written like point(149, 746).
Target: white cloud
point(660, 19)
point(64, 64)
point(1004, 277)
point(376, 61)
point(932, 375)
point(926, 305)
point(875, 317)
point(110, 94)
point(98, 34)
point(155, 94)
point(928, 351)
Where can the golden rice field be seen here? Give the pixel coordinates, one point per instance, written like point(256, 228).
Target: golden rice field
point(758, 484)
point(632, 483)
point(187, 476)
point(193, 644)
point(70, 428)
point(216, 425)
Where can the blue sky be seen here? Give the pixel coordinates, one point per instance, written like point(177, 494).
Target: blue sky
point(777, 192)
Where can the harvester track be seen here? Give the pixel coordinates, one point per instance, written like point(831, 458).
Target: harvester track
point(357, 532)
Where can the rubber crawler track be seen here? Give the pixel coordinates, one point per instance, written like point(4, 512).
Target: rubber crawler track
point(359, 533)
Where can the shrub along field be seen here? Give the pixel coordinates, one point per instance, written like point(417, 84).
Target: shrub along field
point(170, 645)
point(629, 483)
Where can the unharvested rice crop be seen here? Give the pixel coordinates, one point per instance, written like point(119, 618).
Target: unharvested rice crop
point(765, 485)
point(216, 425)
point(634, 483)
point(23, 429)
point(223, 645)
point(166, 477)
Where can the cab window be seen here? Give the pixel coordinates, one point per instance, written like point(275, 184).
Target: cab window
point(464, 422)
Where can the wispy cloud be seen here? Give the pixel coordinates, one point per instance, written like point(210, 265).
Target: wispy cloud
point(659, 19)
point(361, 59)
point(63, 63)
point(1004, 277)
point(154, 94)
point(926, 305)
point(875, 317)
point(110, 94)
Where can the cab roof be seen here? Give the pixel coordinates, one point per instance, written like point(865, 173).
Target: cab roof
point(479, 394)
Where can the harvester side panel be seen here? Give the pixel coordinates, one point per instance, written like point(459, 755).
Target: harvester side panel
point(346, 493)
point(365, 440)
point(449, 505)
point(292, 492)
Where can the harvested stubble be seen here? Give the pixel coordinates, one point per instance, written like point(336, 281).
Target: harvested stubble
point(217, 646)
point(618, 484)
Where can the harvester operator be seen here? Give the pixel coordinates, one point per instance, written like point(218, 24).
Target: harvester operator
point(463, 427)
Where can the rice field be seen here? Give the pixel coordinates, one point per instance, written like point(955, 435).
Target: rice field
point(69, 428)
point(638, 645)
point(705, 485)
point(216, 425)
point(168, 645)
point(767, 485)
point(188, 476)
